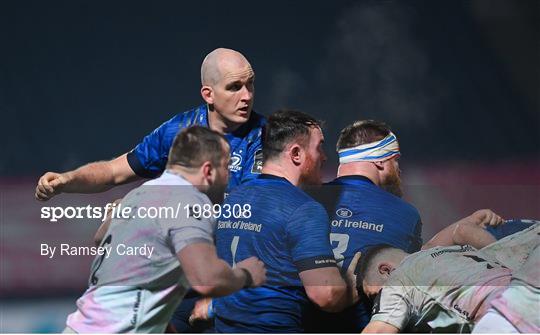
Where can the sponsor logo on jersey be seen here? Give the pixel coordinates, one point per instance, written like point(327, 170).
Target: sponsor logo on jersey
point(344, 213)
point(463, 312)
point(344, 223)
point(462, 248)
point(257, 163)
point(235, 164)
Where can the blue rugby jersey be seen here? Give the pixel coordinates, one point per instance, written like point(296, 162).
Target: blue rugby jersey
point(148, 158)
point(510, 227)
point(289, 232)
point(365, 215)
point(362, 214)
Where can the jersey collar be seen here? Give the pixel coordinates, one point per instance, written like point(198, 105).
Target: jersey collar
point(267, 176)
point(353, 180)
point(202, 116)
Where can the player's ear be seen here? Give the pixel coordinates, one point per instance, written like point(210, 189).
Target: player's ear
point(379, 165)
point(207, 94)
point(296, 154)
point(208, 172)
point(385, 269)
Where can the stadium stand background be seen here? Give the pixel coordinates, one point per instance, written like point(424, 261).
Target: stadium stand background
point(459, 82)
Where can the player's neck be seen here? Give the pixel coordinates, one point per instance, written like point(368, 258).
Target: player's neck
point(276, 169)
point(355, 169)
point(193, 178)
point(217, 123)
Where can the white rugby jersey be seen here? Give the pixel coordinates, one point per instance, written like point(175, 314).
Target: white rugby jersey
point(519, 303)
point(442, 289)
point(513, 250)
point(138, 293)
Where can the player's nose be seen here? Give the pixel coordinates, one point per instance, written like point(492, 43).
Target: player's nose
point(246, 94)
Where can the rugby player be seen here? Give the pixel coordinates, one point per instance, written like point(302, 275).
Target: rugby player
point(287, 230)
point(228, 92)
point(516, 309)
point(139, 294)
point(365, 207)
point(449, 289)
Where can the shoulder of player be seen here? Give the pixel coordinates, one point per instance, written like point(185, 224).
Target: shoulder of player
point(304, 204)
point(271, 191)
point(398, 203)
point(170, 128)
point(192, 116)
point(371, 193)
point(302, 196)
point(412, 270)
point(190, 195)
point(171, 188)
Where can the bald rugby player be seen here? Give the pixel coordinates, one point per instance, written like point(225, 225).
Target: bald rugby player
point(227, 89)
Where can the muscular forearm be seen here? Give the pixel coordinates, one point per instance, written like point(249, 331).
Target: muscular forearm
point(473, 235)
point(99, 176)
point(443, 238)
point(469, 230)
point(211, 276)
point(344, 300)
point(326, 288)
point(343, 297)
point(221, 280)
point(90, 178)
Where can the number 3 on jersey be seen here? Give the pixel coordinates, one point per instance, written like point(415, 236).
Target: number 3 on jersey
point(342, 244)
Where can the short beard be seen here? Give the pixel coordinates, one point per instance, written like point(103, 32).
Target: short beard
point(311, 174)
point(216, 191)
point(392, 184)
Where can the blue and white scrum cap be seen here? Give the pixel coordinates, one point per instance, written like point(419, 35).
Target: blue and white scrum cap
point(377, 151)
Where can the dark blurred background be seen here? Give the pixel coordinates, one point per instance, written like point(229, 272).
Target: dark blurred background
point(86, 80)
point(458, 81)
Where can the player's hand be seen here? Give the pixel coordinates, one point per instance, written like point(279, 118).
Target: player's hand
point(350, 276)
point(200, 311)
point(486, 217)
point(49, 185)
point(256, 268)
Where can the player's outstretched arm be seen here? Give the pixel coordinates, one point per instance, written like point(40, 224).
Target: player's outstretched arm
point(211, 276)
point(91, 178)
point(470, 230)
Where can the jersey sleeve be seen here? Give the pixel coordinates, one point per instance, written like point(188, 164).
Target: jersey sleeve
point(392, 306)
point(508, 228)
point(149, 157)
point(189, 228)
point(308, 234)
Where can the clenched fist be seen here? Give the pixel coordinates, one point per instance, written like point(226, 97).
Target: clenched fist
point(49, 185)
point(486, 217)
